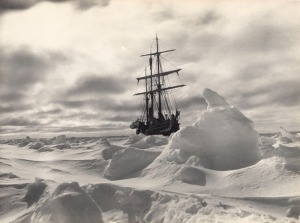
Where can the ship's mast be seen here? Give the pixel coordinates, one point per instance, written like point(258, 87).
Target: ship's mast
point(147, 99)
point(158, 77)
point(151, 87)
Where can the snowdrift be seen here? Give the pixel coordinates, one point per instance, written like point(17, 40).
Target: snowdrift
point(129, 161)
point(139, 152)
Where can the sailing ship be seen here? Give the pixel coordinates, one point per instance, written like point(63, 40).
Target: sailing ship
point(160, 115)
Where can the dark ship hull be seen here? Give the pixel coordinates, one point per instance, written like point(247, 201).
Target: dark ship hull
point(157, 127)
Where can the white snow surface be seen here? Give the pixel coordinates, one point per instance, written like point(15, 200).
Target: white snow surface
point(130, 160)
point(217, 170)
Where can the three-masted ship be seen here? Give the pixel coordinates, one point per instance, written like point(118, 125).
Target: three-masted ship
point(160, 115)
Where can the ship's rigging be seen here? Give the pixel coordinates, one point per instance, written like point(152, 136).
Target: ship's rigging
point(158, 97)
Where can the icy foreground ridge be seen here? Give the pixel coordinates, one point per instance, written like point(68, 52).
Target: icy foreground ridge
point(68, 203)
point(222, 138)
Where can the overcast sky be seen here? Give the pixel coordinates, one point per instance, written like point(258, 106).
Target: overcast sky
point(69, 67)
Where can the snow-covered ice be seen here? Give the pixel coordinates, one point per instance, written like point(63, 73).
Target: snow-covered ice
point(129, 160)
point(222, 138)
point(217, 170)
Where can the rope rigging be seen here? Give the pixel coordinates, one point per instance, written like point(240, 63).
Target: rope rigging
point(158, 114)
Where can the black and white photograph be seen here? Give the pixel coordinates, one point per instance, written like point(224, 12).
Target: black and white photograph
point(149, 111)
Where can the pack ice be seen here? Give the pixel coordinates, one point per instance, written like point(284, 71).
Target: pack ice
point(222, 138)
point(216, 170)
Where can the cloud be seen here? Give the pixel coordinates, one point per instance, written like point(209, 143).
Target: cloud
point(51, 111)
point(25, 4)
point(87, 129)
point(86, 4)
point(16, 4)
point(108, 104)
point(121, 118)
point(18, 122)
point(280, 93)
point(23, 73)
point(264, 34)
point(192, 101)
point(209, 17)
point(284, 93)
point(22, 68)
point(244, 53)
point(72, 103)
point(91, 84)
point(11, 96)
point(15, 107)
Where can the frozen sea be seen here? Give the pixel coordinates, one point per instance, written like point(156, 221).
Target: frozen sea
point(217, 170)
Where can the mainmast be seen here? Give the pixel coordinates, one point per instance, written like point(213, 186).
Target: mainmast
point(147, 100)
point(151, 87)
point(158, 77)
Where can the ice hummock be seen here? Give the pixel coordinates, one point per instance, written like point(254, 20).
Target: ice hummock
point(68, 203)
point(222, 138)
point(60, 139)
point(286, 134)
